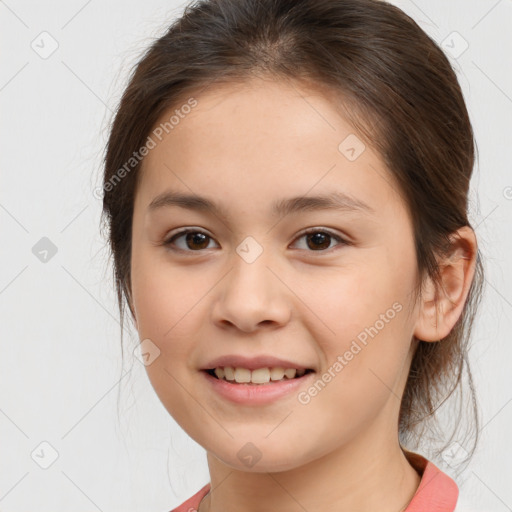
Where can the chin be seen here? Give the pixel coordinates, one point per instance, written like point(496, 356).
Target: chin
point(262, 457)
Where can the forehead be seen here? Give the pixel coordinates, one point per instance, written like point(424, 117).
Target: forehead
point(263, 139)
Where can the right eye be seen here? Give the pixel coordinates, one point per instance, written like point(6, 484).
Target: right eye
point(194, 240)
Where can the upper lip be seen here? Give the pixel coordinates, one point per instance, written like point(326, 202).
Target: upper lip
point(252, 363)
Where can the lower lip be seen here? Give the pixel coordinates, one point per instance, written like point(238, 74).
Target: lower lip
point(256, 394)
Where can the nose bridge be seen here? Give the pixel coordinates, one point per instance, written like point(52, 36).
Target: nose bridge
point(251, 293)
point(251, 271)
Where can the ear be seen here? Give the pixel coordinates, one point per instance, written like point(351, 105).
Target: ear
point(437, 318)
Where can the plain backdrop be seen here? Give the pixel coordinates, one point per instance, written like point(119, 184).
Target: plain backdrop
point(65, 443)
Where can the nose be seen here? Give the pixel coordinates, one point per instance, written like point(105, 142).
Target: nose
point(250, 296)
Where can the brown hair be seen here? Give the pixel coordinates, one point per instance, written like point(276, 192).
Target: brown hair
point(396, 87)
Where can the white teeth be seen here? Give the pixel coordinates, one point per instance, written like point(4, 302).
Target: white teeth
point(242, 375)
point(290, 372)
point(229, 373)
point(276, 373)
point(258, 376)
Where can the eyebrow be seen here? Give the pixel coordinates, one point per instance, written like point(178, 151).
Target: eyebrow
point(338, 201)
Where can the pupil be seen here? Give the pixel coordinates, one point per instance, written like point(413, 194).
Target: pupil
point(197, 237)
point(318, 238)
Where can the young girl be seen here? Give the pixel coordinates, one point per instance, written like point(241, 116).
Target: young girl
point(286, 187)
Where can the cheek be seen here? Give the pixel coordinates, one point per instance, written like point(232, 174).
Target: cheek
point(364, 335)
point(163, 295)
point(349, 299)
point(168, 303)
point(363, 375)
point(169, 306)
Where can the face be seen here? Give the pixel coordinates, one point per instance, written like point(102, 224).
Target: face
point(247, 280)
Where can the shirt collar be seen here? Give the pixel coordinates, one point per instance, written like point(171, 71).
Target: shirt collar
point(437, 492)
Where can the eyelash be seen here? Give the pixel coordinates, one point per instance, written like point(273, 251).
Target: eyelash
point(168, 243)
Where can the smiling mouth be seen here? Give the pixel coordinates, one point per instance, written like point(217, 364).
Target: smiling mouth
point(261, 376)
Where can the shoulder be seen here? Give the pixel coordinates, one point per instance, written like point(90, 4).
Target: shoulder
point(192, 504)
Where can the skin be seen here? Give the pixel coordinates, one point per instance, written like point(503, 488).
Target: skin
point(246, 147)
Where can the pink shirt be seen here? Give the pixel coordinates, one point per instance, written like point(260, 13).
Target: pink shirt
point(437, 492)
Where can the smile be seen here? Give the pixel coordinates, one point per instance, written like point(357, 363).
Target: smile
point(258, 376)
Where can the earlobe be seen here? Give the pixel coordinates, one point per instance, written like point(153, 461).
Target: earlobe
point(437, 317)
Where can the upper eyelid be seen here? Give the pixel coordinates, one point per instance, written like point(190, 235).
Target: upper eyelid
point(184, 231)
point(200, 230)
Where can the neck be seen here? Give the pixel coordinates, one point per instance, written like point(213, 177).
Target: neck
point(371, 474)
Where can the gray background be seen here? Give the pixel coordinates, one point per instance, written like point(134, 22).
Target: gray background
point(61, 365)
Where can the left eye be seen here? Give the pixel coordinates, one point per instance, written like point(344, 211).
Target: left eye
point(320, 239)
point(316, 239)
